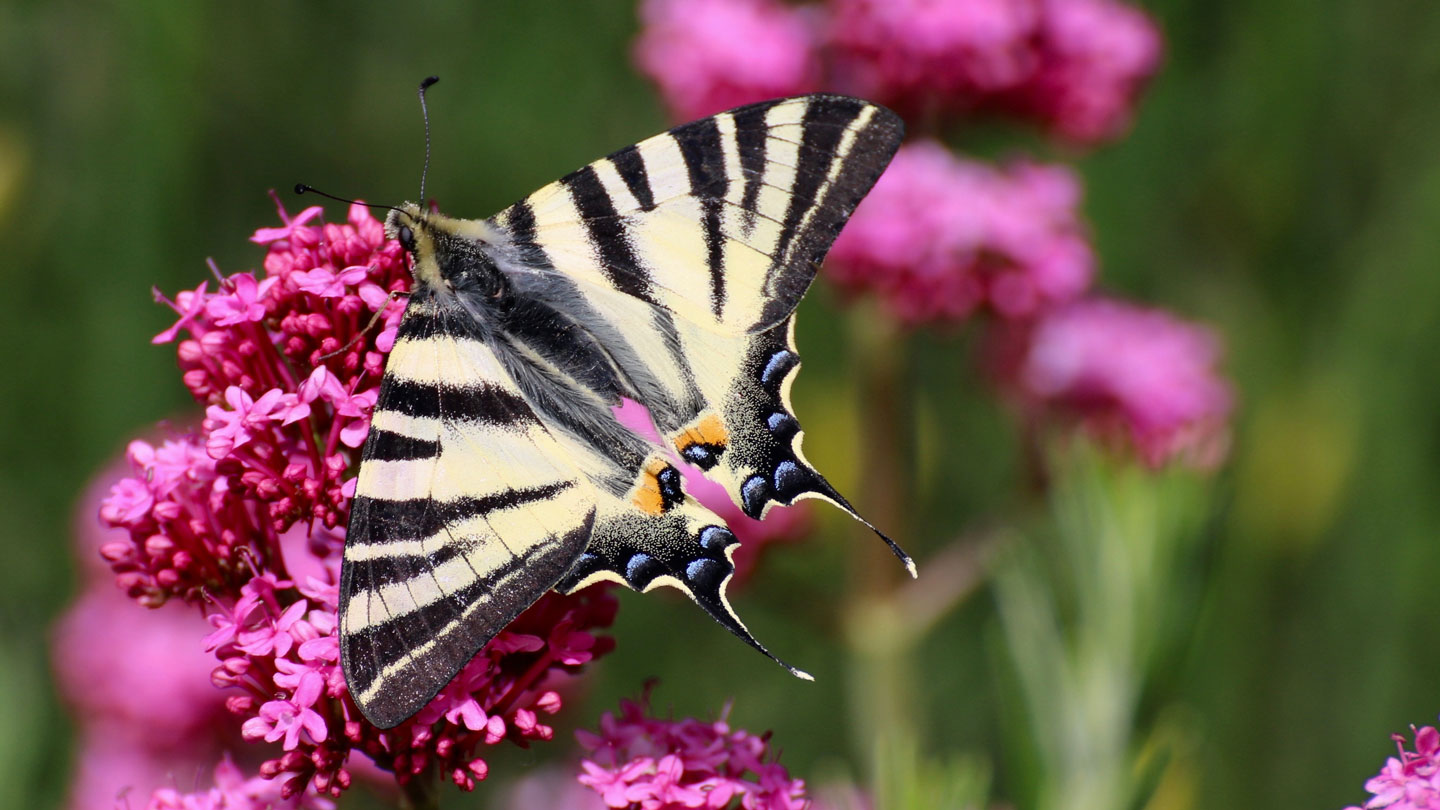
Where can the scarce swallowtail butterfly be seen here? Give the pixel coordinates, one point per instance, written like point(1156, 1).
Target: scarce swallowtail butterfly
point(495, 469)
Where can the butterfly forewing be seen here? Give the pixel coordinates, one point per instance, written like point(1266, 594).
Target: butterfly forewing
point(465, 513)
point(724, 220)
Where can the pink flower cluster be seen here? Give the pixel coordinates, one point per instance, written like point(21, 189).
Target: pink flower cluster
point(1124, 372)
point(136, 682)
point(232, 791)
point(245, 518)
point(711, 55)
point(1074, 66)
point(941, 236)
point(645, 763)
point(1410, 781)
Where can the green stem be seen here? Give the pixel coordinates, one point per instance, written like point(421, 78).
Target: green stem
point(882, 672)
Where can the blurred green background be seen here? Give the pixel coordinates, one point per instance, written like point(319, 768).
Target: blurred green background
point(1282, 182)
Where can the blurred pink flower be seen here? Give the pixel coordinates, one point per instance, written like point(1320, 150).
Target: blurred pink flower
point(1095, 57)
point(637, 761)
point(1120, 368)
point(233, 791)
point(1410, 781)
point(916, 53)
point(244, 519)
point(136, 673)
point(1075, 67)
point(136, 681)
point(111, 771)
point(941, 236)
point(710, 55)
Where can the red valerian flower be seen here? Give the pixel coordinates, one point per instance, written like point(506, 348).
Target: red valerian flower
point(914, 53)
point(1075, 67)
point(1124, 371)
point(637, 761)
point(1410, 781)
point(711, 55)
point(941, 236)
point(244, 518)
point(1095, 58)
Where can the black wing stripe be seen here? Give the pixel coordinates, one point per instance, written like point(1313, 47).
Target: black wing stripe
point(750, 139)
point(458, 627)
point(815, 161)
point(607, 234)
point(704, 156)
point(415, 518)
point(385, 445)
point(489, 404)
point(631, 167)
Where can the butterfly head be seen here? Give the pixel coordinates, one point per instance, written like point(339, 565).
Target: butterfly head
point(414, 228)
point(448, 255)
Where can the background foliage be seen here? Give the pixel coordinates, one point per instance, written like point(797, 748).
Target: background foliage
point(1281, 182)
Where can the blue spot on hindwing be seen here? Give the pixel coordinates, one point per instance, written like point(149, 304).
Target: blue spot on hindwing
point(790, 480)
point(782, 425)
point(585, 564)
point(777, 367)
point(704, 456)
point(716, 538)
point(705, 573)
point(641, 569)
point(753, 495)
point(671, 492)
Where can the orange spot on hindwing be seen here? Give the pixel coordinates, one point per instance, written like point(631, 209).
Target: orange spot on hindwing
point(703, 440)
point(658, 488)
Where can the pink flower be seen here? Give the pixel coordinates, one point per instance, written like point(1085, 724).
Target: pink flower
point(232, 427)
point(1120, 368)
point(233, 791)
point(243, 520)
point(941, 236)
point(710, 55)
point(266, 236)
point(1075, 66)
point(190, 304)
point(1410, 781)
point(1095, 57)
point(653, 764)
point(907, 51)
point(243, 303)
point(289, 718)
point(326, 284)
point(357, 407)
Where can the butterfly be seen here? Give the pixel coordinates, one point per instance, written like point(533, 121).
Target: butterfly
point(495, 469)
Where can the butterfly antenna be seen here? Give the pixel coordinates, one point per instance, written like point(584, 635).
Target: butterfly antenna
point(301, 188)
point(425, 114)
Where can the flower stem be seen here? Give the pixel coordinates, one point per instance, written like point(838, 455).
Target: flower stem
point(882, 672)
point(418, 792)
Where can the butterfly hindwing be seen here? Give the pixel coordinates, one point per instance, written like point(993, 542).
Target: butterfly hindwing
point(662, 537)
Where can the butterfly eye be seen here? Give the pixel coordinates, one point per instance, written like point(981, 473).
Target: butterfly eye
point(407, 238)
